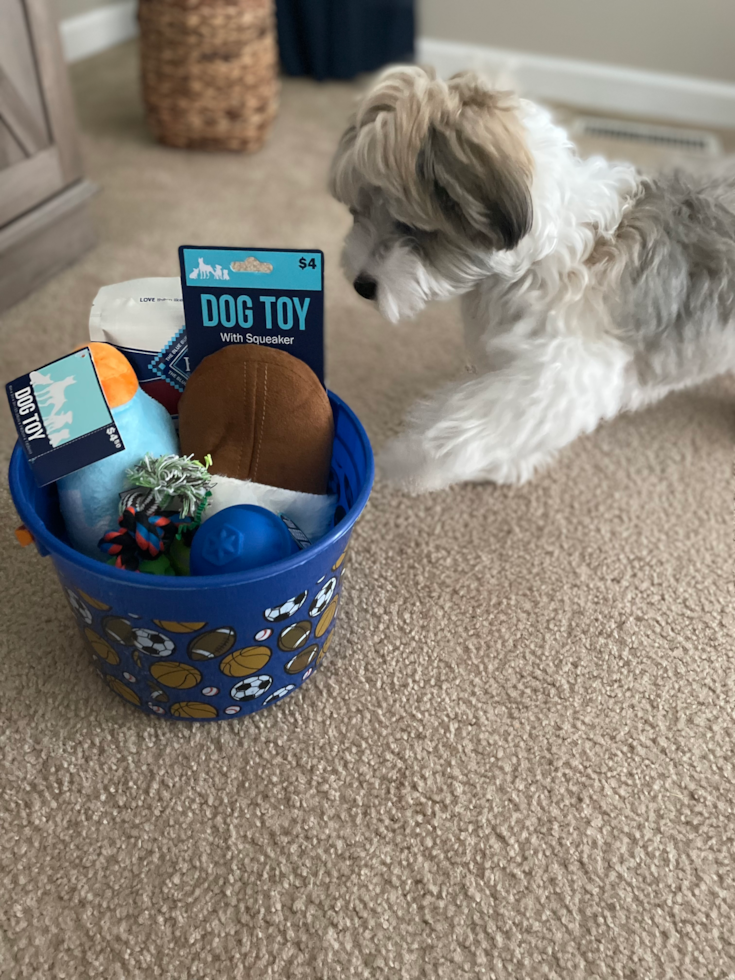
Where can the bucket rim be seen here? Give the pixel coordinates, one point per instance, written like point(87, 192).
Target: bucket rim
point(56, 547)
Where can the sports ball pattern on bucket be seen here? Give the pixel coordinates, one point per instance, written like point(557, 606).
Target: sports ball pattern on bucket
point(202, 671)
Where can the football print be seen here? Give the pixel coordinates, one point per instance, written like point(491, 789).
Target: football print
point(118, 630)
point(212, 644)
point(322, 598)
point(122, 689)
point(325, 647)
point(280, 693)
point(101, 647)
point(302, 660)
point(277, 614)
point(339, 561)
point(153, 643)
point(94, 603)
point(157, 694)
point(251, 688)
point(294, 636)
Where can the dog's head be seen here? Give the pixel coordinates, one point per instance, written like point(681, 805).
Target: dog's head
point(437, 176)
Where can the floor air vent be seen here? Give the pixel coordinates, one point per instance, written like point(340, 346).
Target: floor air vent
point(667, 137)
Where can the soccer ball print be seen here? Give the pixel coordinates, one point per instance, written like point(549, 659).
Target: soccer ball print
point(204, 661)
point(153, 642)
point(252, 687)
point(323, 597)
point(287, 609)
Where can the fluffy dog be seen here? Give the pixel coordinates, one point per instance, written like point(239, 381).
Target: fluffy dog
point(587, 288)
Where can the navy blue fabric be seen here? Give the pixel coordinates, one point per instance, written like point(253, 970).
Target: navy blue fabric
point(341, 38)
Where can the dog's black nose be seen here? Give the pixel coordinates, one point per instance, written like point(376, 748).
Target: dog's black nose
point(366, 287)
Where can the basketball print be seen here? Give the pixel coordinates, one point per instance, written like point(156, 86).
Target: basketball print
point(339, 561)
point(101, 647)
point(118, 630)
point(94, 603)
point(327, 616)
point(323, 597)
point(302, 660)
point(173, 627)
point(180, 676)
point(122, 689)
point(278, 614)
point(193, 709)
point(294, 636)
point(242, 663)
point(213, 644)
point(252, 688)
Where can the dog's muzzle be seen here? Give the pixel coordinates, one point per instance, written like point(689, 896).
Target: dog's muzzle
point(366, 287)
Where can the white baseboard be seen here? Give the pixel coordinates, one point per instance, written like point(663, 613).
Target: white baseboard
point(97, 30)
point(612, 88)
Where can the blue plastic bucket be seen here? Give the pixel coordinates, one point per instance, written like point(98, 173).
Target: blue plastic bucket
point(213, 647)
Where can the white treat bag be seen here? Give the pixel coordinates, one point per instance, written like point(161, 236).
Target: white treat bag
point(144, 318)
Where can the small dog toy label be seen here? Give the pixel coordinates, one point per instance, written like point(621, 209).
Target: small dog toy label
point(62, 417)
point(246, 296)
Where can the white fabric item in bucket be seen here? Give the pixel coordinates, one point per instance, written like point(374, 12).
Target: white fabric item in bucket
point(312, 513)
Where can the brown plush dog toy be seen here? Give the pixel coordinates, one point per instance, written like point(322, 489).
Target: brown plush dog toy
point(262, 415)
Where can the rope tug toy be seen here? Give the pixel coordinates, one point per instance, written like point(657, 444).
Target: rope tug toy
point(165, 504)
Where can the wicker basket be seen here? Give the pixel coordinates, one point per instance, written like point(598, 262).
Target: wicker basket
point(210, 72)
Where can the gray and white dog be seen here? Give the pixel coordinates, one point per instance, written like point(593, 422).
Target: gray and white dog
point(587, 288)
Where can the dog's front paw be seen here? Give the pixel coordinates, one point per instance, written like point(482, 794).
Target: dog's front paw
point(406, 463)
point(514, 472)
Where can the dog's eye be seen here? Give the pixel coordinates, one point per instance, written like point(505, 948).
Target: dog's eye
point(403, 229)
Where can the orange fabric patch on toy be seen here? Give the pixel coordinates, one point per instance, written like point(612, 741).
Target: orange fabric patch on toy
point(262, 415)
point(116, 374)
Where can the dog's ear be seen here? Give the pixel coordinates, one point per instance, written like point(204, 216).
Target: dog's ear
point(478, 172)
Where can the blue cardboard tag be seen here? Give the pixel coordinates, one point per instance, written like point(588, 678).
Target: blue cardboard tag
point(269, 297)
point(62, 417)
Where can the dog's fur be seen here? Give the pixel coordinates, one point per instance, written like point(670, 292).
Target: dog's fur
point(587, 288)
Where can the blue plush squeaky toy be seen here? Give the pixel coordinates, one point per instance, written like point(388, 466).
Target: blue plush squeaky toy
point(90, 497)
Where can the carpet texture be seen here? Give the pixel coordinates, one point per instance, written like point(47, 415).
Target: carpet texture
point(517, 761)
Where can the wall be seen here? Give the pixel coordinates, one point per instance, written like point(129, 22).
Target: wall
point(70, 8)
point(692, 37)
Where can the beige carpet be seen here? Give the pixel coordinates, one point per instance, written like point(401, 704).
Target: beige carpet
point(516, 762)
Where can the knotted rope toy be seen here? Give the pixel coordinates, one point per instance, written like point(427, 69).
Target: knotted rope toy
point(165, 503)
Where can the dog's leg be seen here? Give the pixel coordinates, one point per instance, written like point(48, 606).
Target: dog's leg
point(506, 424)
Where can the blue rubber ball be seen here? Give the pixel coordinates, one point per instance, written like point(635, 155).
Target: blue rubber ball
point(240, 538)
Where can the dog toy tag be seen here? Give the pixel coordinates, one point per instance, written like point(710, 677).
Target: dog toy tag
point(271, 298)
point(62, 416)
